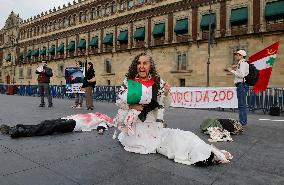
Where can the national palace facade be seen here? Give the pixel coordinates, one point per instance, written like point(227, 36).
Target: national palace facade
point(110, 33)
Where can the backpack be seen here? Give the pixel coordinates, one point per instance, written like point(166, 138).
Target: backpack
point(253, 75)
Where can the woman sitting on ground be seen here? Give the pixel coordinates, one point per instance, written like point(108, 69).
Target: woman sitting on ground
point(142, 99)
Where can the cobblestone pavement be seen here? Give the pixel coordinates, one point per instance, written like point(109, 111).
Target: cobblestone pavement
point(89, 158)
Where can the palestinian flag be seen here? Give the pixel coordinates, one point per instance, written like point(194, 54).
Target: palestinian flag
point(263, 61)
point(140, 92)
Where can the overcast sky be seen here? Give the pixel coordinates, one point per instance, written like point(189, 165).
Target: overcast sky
point(27, 8)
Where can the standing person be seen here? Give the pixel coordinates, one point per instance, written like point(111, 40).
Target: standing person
point(88, 85)
point(78, 96)
point(141, 101)
point(240, 71)
point(44, 74)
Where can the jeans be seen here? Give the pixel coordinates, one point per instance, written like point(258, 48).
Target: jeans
point(242, 90)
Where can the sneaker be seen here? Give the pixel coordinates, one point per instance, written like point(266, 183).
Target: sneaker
point(41, 105)
point(74, 106)
point(78, 107)
point(50, 105)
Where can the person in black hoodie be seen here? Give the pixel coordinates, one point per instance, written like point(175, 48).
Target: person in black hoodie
point(88, 85)
point(44, 74)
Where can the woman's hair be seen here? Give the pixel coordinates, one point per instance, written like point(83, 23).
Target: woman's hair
point(132, 71)
point(91, 65)
point(80, 63)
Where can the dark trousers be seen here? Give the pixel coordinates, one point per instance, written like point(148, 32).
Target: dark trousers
point(89, 96)
point(46, 127)
point(44, 90)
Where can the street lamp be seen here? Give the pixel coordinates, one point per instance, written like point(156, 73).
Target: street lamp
point(209, 46)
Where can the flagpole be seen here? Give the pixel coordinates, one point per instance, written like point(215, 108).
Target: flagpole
point(209, 44)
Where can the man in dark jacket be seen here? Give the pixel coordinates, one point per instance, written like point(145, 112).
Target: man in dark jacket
point(44, 74)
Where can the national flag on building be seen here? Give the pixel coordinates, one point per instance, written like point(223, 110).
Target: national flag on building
point(263, 61)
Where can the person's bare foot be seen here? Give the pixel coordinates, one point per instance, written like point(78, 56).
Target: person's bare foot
point(228, 156)
point(101, 131)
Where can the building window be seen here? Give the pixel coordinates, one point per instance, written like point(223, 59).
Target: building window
point(159, 33)
point(55, 25)
point(182, 82)
point(140, 2)
point(274, 15)
point(74, 19)
point(113, 7)
point(123, 39)
point(130, 4)
point(58, 25)
point(81, 17)
point(86, 15)
point(99, 11)
point(123, 5)
point(60, 70)
point(21, 73)
point(239, 20)
point(69, 20)
point(31, 32)
point(108, 42)
point(207, 20)
point(29, 73)
point(108, 9)
point(182, 62)
point(108, 66)
point(93, 13)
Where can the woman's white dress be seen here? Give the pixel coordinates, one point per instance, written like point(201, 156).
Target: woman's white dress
point(150, 137)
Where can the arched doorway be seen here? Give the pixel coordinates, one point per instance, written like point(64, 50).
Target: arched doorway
point(8, 80)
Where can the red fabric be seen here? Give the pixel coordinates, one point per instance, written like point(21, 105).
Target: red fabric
point(147, 83)
point(264, 75)
point(262, 83)
point(104, 117)
point(270, 50)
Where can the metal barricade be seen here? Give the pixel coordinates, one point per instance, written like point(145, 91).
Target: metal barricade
point(105, 93)
point(262, 101)
point(3, 89)
point(265, 100)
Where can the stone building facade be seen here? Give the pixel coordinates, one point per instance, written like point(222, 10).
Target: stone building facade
point(110, 33)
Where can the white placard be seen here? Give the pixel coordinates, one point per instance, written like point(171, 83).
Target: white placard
point(74, 88)
point(204, 97)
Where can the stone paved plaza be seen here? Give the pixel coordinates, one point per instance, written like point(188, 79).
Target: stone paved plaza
point(89, 158)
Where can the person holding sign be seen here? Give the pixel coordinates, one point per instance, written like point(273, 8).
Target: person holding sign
point(240, 71)
point(44, 74)
point(78, 96)
point(141, 101)
point(88, 85)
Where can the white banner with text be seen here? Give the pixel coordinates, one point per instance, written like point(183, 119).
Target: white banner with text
point(204, 97)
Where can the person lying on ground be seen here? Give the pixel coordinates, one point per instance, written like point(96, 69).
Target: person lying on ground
point(73, 123)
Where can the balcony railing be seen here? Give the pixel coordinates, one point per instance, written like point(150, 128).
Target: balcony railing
point(239, 30)
point(182, 38)
point(159, 41)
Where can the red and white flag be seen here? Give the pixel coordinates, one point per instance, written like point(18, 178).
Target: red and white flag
point(263, 61)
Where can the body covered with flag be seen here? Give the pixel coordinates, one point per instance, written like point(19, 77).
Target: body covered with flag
point(263, 61)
